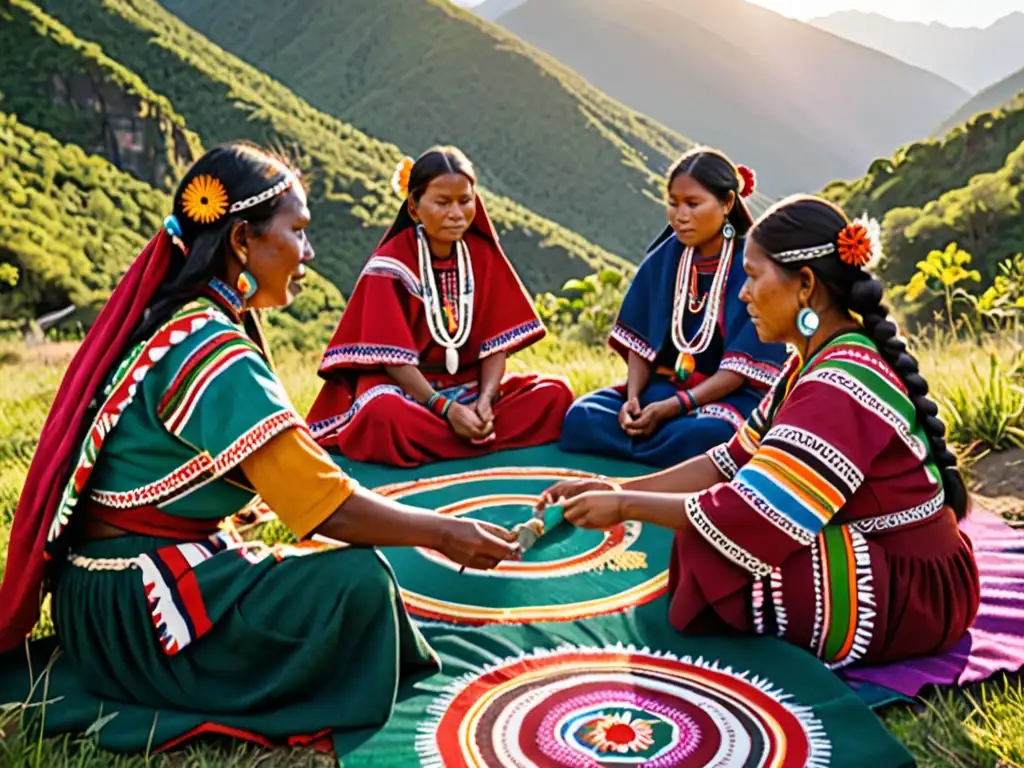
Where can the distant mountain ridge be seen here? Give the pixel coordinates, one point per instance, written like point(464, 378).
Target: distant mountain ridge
point(971, 57)
point(416, 72)
point(800, 105)
point(1004, 94)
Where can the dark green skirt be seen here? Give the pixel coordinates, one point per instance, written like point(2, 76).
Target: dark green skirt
point(281, 642)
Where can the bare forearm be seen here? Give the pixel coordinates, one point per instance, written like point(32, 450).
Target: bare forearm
point(716, 386)
point(638, 376)
point(371, 519)
point(411, 380)
point(692, 476)
point(666, 510)
point(492, 368)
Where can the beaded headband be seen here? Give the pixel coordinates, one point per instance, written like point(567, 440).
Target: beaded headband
point(859, 244)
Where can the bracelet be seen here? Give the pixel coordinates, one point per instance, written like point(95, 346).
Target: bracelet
point(687, 400)
point(447, 407)
point(439, 404)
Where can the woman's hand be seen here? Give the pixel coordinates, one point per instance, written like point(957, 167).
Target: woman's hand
point(486, 415)
point(475, 543)
point(653, 416)
point(467, 423)
point(630, 410)
point(598, 510)
point(568, 489)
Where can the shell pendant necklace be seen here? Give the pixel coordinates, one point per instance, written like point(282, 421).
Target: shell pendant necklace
point(433, 301)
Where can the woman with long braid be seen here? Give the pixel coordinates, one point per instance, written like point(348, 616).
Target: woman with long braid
point(831, 518)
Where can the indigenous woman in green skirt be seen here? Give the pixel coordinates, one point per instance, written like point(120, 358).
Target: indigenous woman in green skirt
point(169, 420)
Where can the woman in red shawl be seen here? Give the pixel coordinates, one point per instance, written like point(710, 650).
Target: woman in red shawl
point(416, 369)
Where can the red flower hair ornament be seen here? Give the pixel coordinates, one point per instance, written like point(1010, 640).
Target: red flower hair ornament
point(749, 179)
point(860, 243)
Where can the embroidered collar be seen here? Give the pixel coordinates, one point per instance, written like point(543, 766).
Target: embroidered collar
point(227, 297)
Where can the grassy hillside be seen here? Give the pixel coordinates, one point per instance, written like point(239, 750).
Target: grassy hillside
point(70, 224)
point(965, 187)
point(222, 98)
point(1004, 94)
point(414, 72)
point(799, 105)
point(56, 82)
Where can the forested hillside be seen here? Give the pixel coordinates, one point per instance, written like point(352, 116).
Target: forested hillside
point(966, 187)
point(222, 98)
point(70, 223)
point(403, 70)
point(1004, 94)
point(56, 82)
point(798, 104)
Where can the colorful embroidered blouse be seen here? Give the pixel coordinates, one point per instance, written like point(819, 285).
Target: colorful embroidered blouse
point(644, 322)
point(844, 447)
point(184, 414)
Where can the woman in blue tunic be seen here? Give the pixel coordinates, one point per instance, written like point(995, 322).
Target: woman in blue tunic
point(696, 366)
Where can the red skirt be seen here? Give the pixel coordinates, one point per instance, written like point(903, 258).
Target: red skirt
point(381, 425)
point(848, 597)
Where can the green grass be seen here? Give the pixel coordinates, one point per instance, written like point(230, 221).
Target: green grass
point(978, 727)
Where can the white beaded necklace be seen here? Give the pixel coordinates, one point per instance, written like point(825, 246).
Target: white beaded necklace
point(433, 300)
point(702, 339)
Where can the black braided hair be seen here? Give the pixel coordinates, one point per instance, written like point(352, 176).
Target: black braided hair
point(805, 221)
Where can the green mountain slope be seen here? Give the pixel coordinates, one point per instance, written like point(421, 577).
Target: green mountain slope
point(222, 98)
point(799, 105)
point(68, 87)
point(70, 224)
point(1003, 94)
point(965, 187)
point(414, 72)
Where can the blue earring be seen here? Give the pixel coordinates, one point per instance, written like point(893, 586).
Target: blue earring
point(246, 285)
point(807, 322)
point(728, 231)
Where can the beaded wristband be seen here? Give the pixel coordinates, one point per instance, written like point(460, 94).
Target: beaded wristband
point(438, 403)
point(687, 400)
point(447, 407)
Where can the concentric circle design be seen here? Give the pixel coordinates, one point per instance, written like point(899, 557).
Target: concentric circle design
point(601, 707)
point(617, 539)
point(570, 574)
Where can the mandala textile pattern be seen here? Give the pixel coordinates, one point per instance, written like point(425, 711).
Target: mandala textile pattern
point(583, 707)
point(570, 574)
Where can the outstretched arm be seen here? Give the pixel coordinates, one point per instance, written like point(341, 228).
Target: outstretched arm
point(692, 476)
point(311, 495)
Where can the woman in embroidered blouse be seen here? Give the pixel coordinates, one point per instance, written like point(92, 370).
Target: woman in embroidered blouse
point(696, 368)
point(416, 369)
point(151, 603)
point(830, 519)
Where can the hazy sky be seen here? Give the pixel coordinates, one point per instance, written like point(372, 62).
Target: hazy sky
point(958, 13)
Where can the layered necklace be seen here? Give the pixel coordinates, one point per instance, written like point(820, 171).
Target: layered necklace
point(686, 282)
point(447, 331)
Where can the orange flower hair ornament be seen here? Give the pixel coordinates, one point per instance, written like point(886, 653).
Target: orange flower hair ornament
point(860, 243)
point(204, 200)
point(749, 179)
point(400, 179)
